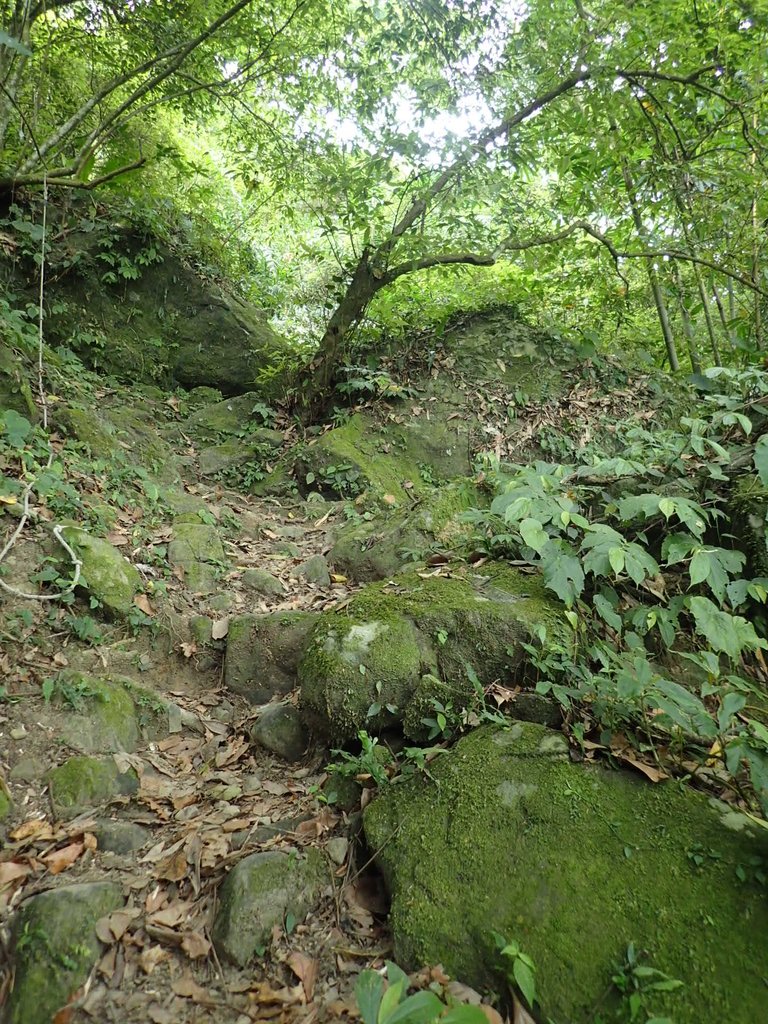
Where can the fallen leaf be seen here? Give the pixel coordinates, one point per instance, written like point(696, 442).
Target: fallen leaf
point(114, 926)
point(59, 860)
point(305, 968)
point(275, 788)
point(195, 945)
point(188, 649)
point(172, 868)
point(650, 772)
point(34, 827)
point(12, 871)
point(187, 986)
point(520, 1015)
point(118, 540)
point(142, 603)
point(338, 578)
point(151, 957)
point(220, 629)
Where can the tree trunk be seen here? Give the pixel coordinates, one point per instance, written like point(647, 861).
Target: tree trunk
point(685, 316)
point(323, 369)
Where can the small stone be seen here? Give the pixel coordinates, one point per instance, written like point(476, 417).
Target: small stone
point(314, 570)
point(121, 836)
point(220, 602)
point(18, 733)
point(535, 707)
point(201, 627)
point(263, 582)
point(251, 784)
point(337, 849)
point(343, 792)
point(280, 729)
point(289, 531)
point(28, 769)
point(289, 549)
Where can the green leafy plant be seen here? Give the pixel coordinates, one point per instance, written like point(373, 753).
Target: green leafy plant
point(387, 1001)
point(372, 762)
point(518, 967)
point(647, 580)
point(638, 982)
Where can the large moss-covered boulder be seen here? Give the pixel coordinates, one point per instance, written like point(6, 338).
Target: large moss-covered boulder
point(54, 944)
point(375, 549)
point(106, 575)
point(89, 427)
point(83, 782)
point(263, 653)
point(573, 862)
point(395, 460)
point(169, 324)
point(258, 893)
point(365, 663)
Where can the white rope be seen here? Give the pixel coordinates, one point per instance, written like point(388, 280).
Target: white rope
point(43, 398)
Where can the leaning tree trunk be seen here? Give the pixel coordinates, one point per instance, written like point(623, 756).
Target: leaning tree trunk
point(321, 374)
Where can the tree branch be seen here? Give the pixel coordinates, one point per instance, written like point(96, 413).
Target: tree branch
point(445, 260)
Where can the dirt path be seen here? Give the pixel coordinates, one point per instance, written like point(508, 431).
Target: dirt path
point(207, 798)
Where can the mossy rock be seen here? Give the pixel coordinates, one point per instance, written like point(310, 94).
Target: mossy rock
point(6, 804)
point(170, 325)
point(573, 862)
point(352, 666)
point(15, 390)
point(55, 946)
point(258, 893)
point(379, 548)
point(83, 782)
point(362, 456)
point(106, 575)
point(87, 426)
point(100, 715)
point(263, 653)
point(230, 416)
point(196, 547)
point(377, 649)
point(748, 513)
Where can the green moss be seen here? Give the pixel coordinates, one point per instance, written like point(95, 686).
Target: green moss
point(87, 426)
point(15, 390)
point(83, 782)
point(106, 575)
point(55, 947)
point(379, 548)
point(258, 893)
point(748, 512)
point(103, 718)
point(411, 626)
point(353, 663)
point(573, 862)
point(6, 804)
point(356, 444)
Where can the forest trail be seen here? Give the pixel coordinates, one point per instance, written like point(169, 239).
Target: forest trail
point(205, 795)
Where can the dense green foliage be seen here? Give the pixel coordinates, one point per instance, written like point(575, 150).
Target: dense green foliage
point(614, 154)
